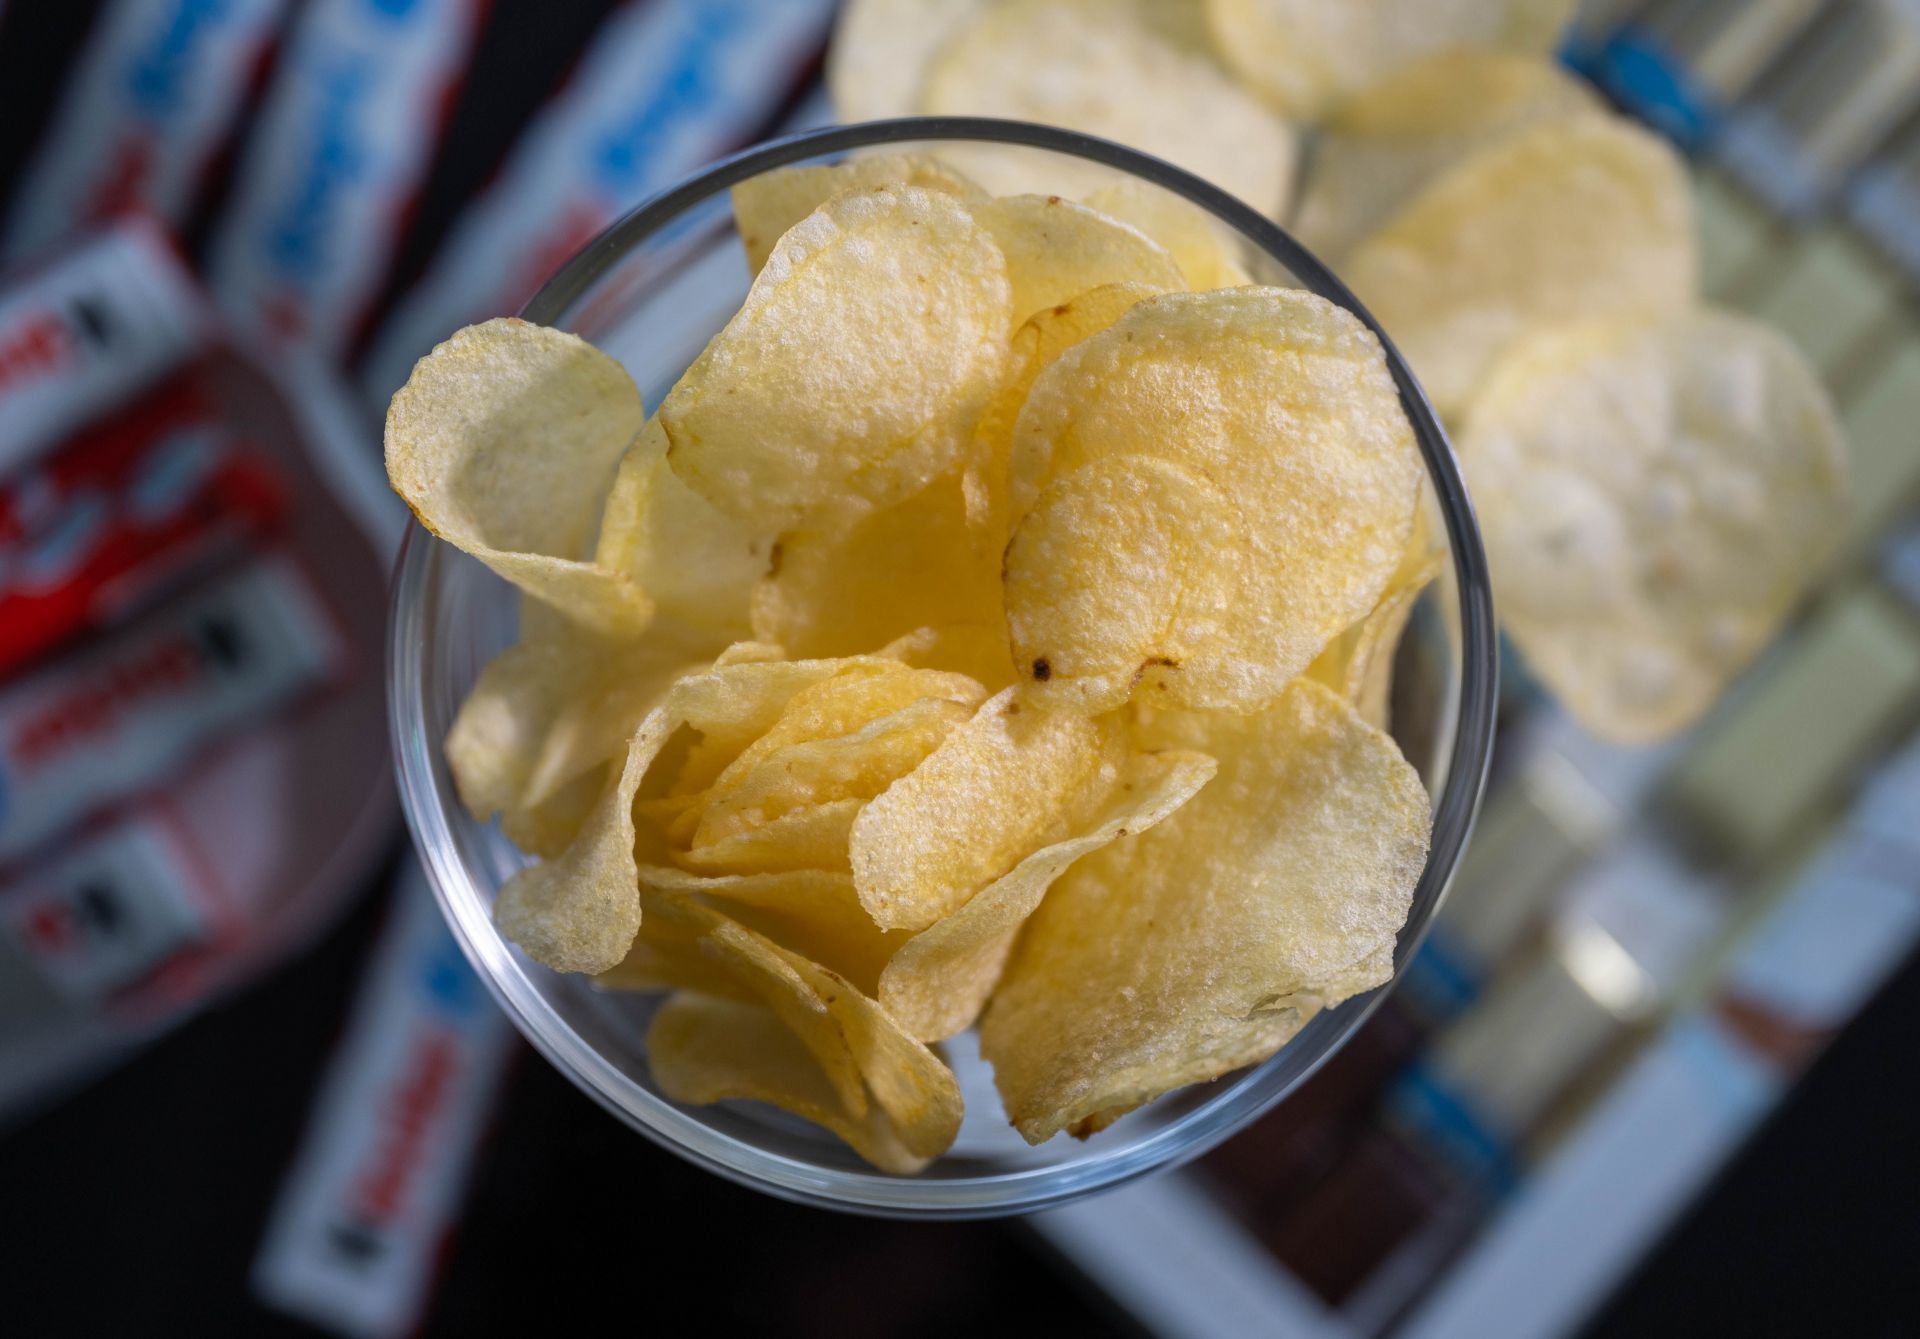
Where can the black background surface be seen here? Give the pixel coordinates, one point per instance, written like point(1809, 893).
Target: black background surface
point(136, 1207)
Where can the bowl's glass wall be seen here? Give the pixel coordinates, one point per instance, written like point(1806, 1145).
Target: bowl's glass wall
point(651, 293)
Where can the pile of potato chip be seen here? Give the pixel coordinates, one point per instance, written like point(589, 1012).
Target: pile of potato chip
point(991, 628)
point(1657, 483)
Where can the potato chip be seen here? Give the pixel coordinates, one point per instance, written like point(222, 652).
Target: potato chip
point(860, 691)
point(1251, 444)
point(1587, 219)
point(813, 837)
point(1380, 149)
point(502, 442)
point(938, 981)
point(1655, 498)
point(696, 564)
point(862, 1051)
point(851, 376)
point(995, 789)
point(856, 765)
point(1046, 335)
point(666, 955)
point(1056, 249)
point(579, 911)
point(815, 913)
point(1202, 944)
point(704, 1050)
point(764, 969)
point(880, 52)
point(973, 649)
point(548, 828)
point(766, 206)
point(1094, 66)
point(850, 590)
point(1209, 256)
point(1358, 664)
point(1305, 56)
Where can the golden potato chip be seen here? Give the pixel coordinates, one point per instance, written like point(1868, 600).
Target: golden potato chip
point(704, 1050)
point(1358, 664)
point(503, 442)
point(862, 1051)
point(1056, 249)
point(547, 828)
point(1587, 219)
point(695, 563)
point(578, 912)
point(880, 52)
point(815, 913)
point(860, 691)
point(994, 789)
point(814, 837)
point(764, 969)
point(1381, 148)
point(1046, 334)
point(856, 765)
point(937, 981)
point(764, 207)
point(748, 700)
point(1089, 619)
point(1251, 444)
point(841, 591)
point(1209, 256)
point(1655, 498)
point(1305, 56)
point(1094, 66)
point(851, 376)
point(1200, 945)
point(973, 649)
point(666, 955)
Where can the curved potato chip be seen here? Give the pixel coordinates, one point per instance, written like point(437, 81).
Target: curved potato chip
point(937, 982)
point(995, 788)
point(815, 913)
point(811, 838)
point(1655, 499)
point(1200, 945)
point(1046, 335)
point(503, 442)
point(1206, 252)
point(856, 765)
point(1305, 56)
point(851, 375)
point(1358, 664)
point(579, 911)
point(704, 1050)
point(863, 689)
point(854, 589)
point(860, 1049)
point(973, 649)
point(771, 974)
point(880, 51)
point(1056, 249)
point(1380, 149)
point(695, 563)
point(1090, 619)
point(1094, 66)
point(766, 206)
point(1588, 219)
point(546, 829)
point(1283, 487)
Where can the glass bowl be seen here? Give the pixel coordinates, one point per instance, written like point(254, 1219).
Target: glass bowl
point(651, 291)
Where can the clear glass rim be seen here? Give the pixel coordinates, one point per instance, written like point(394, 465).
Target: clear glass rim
point(419, 569)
